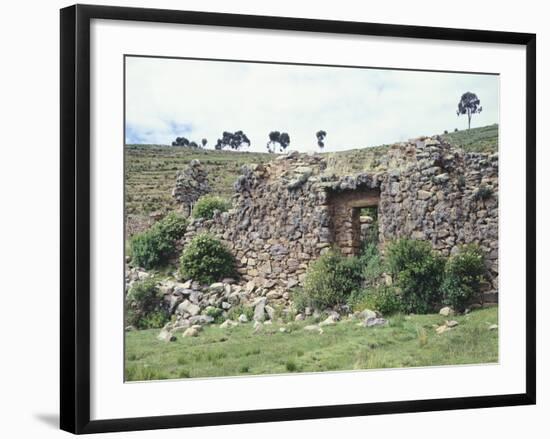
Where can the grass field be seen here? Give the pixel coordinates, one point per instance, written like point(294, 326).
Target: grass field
point(484, 139)
point(408, 341)
point(151, 169)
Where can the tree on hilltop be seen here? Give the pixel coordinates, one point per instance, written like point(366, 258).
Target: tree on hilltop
point(469, 104)
point(232, 140)
point(278, 138)
point(321, 138)
point(180, 141)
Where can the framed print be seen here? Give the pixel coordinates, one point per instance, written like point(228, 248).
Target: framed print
point(273, 218)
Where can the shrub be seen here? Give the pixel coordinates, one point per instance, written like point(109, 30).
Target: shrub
point(206, 259)
point(418, 273)
point(236, 311)
point(206, 205)
point(463, 276)
point(483, 192)
point(382, 298)
point(152, 247)
point(372, 265)
point(215, 313)
point(300, 300)
point(331, 279)
point(144, 308)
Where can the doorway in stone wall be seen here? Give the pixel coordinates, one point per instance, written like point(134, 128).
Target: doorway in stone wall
point(353, 213)
point(368, 226)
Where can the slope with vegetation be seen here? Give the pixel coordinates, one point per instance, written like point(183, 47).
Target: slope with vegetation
point(151, 169)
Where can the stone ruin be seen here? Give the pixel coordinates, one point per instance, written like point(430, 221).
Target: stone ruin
point(191, 184)
point(288, 212)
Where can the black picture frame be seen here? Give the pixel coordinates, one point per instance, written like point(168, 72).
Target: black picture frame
point(75, 217)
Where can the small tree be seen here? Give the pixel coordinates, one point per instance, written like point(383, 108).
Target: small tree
point(321, 138)
point(232, 140)
point(469, 105)
point(180, 141)
point(204, 142)
point(278, 138)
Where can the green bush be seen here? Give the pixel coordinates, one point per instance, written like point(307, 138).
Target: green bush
point(300, 300)
point(331, 279)
point(382, 298)
point(418, 273)
point(152, 247)
point(206, 260)
point(144, 308)
point(206, 205)
point(372, 265)
point(464, 273)
point(215, 313)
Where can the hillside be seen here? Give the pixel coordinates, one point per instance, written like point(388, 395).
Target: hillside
point(151, 169)
point(484, 139)
point(151, 173)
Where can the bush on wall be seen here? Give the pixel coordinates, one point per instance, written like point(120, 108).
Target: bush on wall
point(206, 259)
point(208, 204)
point(152, 247)
point(418, 273)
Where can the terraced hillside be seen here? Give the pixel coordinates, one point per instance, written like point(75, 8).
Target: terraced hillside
point(151, 169)
point(151, 173)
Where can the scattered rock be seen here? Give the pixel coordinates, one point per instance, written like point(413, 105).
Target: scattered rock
point(493, 327)
point(270, 312)
point(299, 317)
point(191, 332)
point(259, 310)
point(375, 321)
point(330, 320)
point(217, 287)
point(451, 323)
point(228, 324)
point(166, 335)
point(367, 314)
point(243, 318)
point(446, 311)
point(257, 327)
point(187, 307)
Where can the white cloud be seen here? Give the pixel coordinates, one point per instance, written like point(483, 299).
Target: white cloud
point(166, 98)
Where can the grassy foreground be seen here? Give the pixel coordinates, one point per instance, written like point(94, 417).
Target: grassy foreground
point(407, 341)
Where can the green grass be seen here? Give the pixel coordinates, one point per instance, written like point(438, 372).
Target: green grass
point(484, 139)
point(408, 341)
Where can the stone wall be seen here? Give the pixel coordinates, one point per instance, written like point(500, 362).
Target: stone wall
point(191, 184)
point(293, 209)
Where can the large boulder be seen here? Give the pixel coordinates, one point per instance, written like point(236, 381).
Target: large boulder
point(186, 307)
point(259, 309)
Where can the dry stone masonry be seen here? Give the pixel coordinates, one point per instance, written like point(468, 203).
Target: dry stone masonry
point(191, 184)
point(288, 212)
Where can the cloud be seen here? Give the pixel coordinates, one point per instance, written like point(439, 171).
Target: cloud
point(167, 98)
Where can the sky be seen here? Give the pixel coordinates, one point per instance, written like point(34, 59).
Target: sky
point(357, 107)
